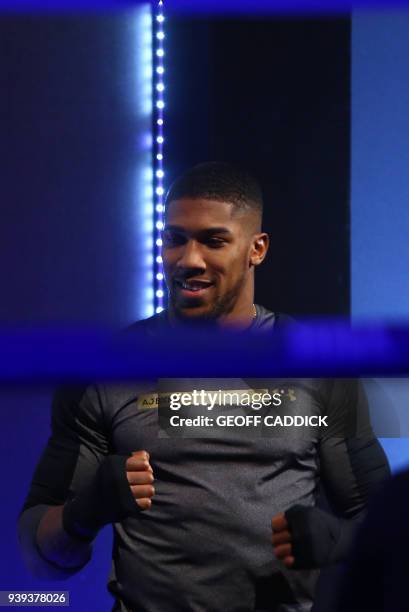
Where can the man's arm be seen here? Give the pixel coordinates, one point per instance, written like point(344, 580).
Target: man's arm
point(77, 487)
point(353, 465)
point(56, 545)
point(64, 538)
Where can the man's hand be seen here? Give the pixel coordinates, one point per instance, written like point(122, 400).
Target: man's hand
point(309, 538)
point(121, 487)
point(282, 541)
point(140, 477)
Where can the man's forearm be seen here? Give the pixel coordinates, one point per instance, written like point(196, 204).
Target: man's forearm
point(61, 535)
point(56, 545)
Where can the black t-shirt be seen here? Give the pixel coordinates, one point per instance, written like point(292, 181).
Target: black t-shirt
point(205, 545)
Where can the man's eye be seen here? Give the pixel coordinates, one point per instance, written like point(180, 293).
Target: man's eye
point(215, 243)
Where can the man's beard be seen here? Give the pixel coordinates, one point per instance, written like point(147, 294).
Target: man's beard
point(223, 305)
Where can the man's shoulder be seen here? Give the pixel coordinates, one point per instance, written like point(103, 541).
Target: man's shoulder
point(153, 324)
point(269, 320)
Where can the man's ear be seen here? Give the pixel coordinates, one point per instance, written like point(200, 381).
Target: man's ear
point(259, 248)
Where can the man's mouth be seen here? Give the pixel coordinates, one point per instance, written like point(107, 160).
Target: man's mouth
point(193, 287)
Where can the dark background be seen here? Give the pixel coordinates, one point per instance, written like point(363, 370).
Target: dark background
point(272, 94)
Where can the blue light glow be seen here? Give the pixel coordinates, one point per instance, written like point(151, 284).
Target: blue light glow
point(143, 205)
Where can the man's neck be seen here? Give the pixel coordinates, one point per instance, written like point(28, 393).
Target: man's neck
point(231, 321)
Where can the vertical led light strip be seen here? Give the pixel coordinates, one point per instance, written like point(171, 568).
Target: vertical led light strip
point(158, 165)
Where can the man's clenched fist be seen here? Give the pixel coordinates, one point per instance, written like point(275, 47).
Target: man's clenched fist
point(309, 537)
point(140, 477)
point(282, 540)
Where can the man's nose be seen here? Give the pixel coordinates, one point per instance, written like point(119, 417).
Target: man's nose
point(191, 256)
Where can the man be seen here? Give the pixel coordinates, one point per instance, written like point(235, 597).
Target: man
point(193, 515)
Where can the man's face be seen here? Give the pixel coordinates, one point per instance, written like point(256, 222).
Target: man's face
point(206, 258)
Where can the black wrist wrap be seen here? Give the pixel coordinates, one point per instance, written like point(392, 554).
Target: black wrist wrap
point(318, 538)
point(108, 499)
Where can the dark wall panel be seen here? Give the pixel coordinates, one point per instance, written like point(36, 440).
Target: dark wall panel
point(71, 147)
point(274, 95)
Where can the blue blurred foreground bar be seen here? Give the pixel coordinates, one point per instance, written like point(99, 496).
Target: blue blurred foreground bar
point(326, 348)
point(244, 7)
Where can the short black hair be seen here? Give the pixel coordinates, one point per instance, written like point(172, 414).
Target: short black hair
point(218, 181)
